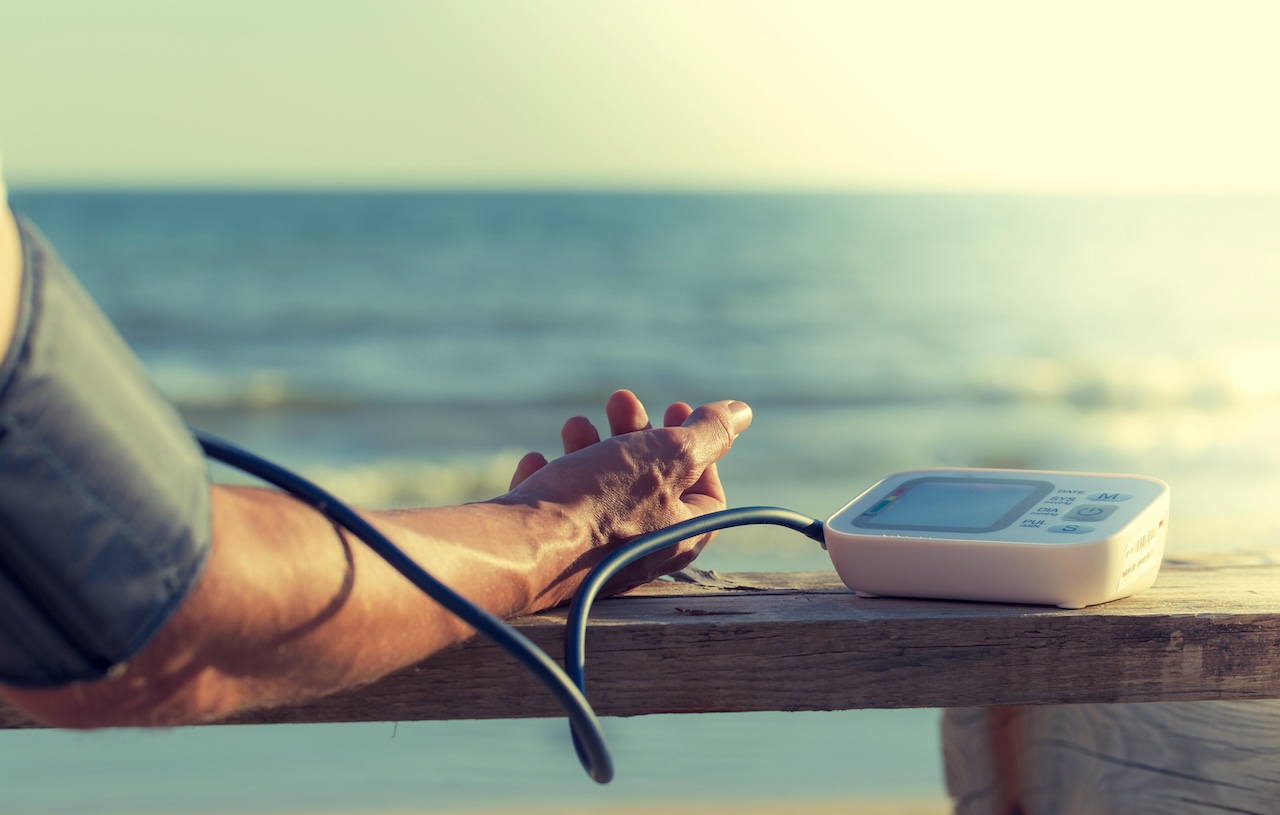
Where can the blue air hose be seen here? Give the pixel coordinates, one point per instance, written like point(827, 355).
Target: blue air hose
point(568, 685)
point(575, 640)
point(586, 727)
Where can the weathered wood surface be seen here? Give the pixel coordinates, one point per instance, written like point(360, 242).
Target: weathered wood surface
point(1203, 758)
point(801, 641)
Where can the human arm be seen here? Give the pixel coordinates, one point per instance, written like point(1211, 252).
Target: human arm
point(288, 608)
point(10, 275)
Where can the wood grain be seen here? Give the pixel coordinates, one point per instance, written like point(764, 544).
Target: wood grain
point(801, 641)
point(1205, 758)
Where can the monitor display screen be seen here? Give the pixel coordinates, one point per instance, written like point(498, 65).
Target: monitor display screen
point(941, 504)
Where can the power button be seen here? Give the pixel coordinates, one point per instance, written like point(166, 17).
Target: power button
point(1089, 512)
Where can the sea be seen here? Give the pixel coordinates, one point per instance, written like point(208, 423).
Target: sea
point(406, 348)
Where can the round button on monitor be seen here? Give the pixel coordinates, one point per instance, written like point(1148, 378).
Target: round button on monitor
point(1089, 512)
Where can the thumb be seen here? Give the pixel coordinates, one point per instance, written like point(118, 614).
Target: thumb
point(715, 427)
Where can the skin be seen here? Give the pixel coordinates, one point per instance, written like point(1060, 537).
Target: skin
point(288, 608)
point(10, 275)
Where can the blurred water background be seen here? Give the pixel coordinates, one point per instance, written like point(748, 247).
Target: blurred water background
point(408, 348)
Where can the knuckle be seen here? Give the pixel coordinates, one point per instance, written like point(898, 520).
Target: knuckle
point(721, 419)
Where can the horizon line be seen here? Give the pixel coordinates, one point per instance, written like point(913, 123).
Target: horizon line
point(781, 190)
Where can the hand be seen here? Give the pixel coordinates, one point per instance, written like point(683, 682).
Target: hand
point(286, 611)
point(639, 480)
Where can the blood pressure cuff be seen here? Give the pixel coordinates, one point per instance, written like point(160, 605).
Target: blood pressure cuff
point(104, 499)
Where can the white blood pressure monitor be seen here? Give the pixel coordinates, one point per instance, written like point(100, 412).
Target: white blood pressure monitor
point(1012, 536)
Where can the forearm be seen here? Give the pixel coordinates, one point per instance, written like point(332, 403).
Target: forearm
point(289, 608)
point(286, 608)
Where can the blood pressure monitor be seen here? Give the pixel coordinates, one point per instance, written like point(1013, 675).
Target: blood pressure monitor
point(1014, 536)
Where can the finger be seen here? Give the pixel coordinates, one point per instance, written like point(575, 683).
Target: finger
point(578, 433)
point(626, 413)
point(715, 426)
point(530, 464)
point(676, 414)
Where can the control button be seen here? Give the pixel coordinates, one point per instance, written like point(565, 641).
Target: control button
point(1110, 496)
point(1071, 529)
point(1089, 512)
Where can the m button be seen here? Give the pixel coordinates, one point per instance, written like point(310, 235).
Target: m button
point(1110, 497)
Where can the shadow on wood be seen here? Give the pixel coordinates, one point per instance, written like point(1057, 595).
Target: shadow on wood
point(801, 641)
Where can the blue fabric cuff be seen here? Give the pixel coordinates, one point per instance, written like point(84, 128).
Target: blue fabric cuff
point(104, 495)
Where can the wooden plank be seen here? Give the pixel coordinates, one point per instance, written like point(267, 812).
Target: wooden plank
point(803, 642)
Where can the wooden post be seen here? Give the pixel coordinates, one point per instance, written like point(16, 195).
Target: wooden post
point(1202, 758)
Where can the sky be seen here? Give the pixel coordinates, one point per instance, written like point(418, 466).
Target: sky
point(982, 95)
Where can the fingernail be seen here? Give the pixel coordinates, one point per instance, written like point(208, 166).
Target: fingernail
point(741, 416)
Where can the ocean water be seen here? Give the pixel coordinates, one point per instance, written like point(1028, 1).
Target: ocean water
point(408, 348)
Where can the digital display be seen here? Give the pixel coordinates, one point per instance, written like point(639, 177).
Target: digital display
point(941, 504)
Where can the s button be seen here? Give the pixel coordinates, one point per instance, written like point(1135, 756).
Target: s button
point(1071, 529)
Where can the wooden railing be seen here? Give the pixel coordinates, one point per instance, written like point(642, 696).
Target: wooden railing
point(1208, 630)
